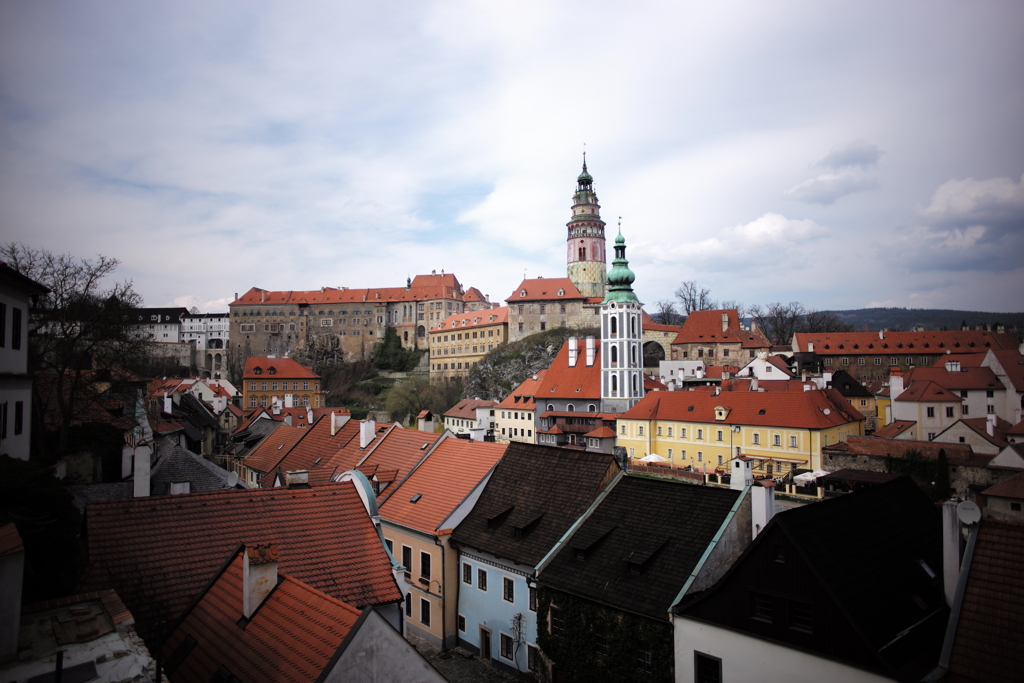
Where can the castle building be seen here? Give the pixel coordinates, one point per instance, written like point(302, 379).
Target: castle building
point(585, 245)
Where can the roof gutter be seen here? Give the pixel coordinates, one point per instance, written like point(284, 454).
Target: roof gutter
point(582, 518)
point(711, 547)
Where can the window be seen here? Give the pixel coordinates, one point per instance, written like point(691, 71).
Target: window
point(467, 573)
point(407, 558)
point(863, 403)
point(777, 440)
point(779, 553)
point(481, 579)
point(719, 436)
point(640, 430)
point(931, 411)
point(533, 598)
point(706, 669)
point(700, 456)
point(792, 442)
point(964, 410)
point(801, 616)
point(508, 590)
point(991, 410)
point(990, 393)
point(533, 657)
point(557, 623)
point(15, 328)
point(425, 611)
point(878, 361)
point(828, 361)
point(894, 360)
point(1015, 507)
point(408, 605)
point(659, 431)
point(670, 431)
point(761, 607)
point(643, 655)
point(845, 361)
point(600, 639)
point(263, 386)
point(860, 361)
point(506, 646)
point(462, 623)
point(700, 434)
point(949, 411)
point(719, 460)
point(252, 402)
point(623, 430)
point(682, 433)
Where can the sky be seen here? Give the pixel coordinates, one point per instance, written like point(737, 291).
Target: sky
point(843, 155)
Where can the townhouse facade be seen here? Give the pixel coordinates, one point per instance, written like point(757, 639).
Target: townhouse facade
point(471, 417)
point(514, 416)
point(541, 304)
point(282, 381)
point(704, 431)
point(460, 341)
point(17, 294)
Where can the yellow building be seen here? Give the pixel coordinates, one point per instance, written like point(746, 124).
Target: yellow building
point(514, 417)
point(266, 381)
point(460, 341)
point(780, 430)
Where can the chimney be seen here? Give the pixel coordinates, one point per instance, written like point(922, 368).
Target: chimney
point(263, 297)
point(881, 334)
point(276, 404)
point(298, 478)
point(338, 421)
point(990, 425)
point(742, 473)
point(952, 366)
point(753, 383)
point(810, 347)
point(725, 375)
point(826, 377)
point(288, 419)
point(574, 352)
point(289, 400)
point(367, 429)
point(803, 375)
point(762, 506)
point(259, 576)
point(143, 465)
point(895, 384)
point(952, 541)
point(590, 351)
point(807, 387)
point(699, 372)
point(725, 321)
point(236, 296)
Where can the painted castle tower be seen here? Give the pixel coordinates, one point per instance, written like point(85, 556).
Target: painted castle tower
point(622, 337)
point(585, 245)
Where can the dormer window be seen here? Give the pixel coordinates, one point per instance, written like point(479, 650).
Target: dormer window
point(561, 292)
point(522, 293)
point(257, 371)
point(272, 371)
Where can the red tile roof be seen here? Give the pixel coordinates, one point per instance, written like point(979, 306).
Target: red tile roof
point(467, 407)
point(348, 455)
point(649, 324)
point(545, 289)
point(291, 637)
point(705, 327)
point(274, 447)
point(442, 481)
point(474, 294)
point(472, 319)
point(423, 287)
point(979, 425)
point(927, 391)
point(580, 382)
point(276, 368)
point(159, 551)
point(1013, 365)
point(603, 432)
point(956, 453)
point(934, 341)
point(10, 539)
point(894, 429)
point(400, 450)
point(1017, 429)
point(1008, 488)
point(779, 363)
point(525, 395)
point(965, 378)
point(803, 410)
point(316, 449)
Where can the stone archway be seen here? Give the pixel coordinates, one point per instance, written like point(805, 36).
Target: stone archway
point(654, 353)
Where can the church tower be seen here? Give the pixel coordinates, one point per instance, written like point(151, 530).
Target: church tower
point(622, 338)
point(585, 245)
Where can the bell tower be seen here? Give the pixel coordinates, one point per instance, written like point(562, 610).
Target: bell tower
point(585, 245)
point(622, 338)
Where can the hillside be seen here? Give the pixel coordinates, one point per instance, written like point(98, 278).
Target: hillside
point(504, 368)
point(932, 319)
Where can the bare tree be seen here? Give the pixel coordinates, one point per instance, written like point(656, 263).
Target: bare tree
point(778, 321)
point(692, 297)
point(667, 314)
point(824, 321)
point(741, 310)
point(81, 325)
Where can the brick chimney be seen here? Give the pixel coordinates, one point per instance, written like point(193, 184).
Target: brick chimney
point(259, 575)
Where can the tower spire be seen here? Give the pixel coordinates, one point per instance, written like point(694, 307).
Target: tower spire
point(585, 245)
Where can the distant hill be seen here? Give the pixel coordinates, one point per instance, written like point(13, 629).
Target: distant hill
point(930, 318)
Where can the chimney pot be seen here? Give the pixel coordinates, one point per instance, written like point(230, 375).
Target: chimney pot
point(367, 430)
point(259, 575)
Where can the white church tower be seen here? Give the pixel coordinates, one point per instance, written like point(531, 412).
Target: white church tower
point(622, 338)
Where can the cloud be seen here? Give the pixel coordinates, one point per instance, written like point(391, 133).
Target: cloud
point(828, 187)
point(996, 203)
point(855, 154)
point(846, 170)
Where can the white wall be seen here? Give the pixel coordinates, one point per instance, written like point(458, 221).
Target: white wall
point(751, 659)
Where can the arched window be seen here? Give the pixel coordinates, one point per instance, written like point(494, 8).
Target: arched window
point(632, 325)
point(570, 408)
point(614, 325)
point(636, 389)
point(632, 354)
point(551, 406)
point(615, 384)
point(420, 331)
point(615, 354)
point(591, 408)
point(583, 253)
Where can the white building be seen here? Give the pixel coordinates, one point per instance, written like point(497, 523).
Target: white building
point(16, 294)
point(208, 333)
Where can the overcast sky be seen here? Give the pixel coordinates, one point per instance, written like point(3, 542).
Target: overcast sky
point(843, 156)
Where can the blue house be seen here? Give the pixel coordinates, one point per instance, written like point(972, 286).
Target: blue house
point(533, 497)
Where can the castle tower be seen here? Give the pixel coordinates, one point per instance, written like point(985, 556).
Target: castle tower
point(585, 245)
point(622, 338)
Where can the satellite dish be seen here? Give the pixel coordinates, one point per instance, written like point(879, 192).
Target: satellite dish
point(232, 479)
point(968, 512)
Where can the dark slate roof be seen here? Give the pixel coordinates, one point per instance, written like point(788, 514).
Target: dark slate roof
point(991, 626)
point(848, 385)
point(83, 493)
point(174, 463)
point(246, 440)
point(866, 547)
point(662, 527)
point(539, 488)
